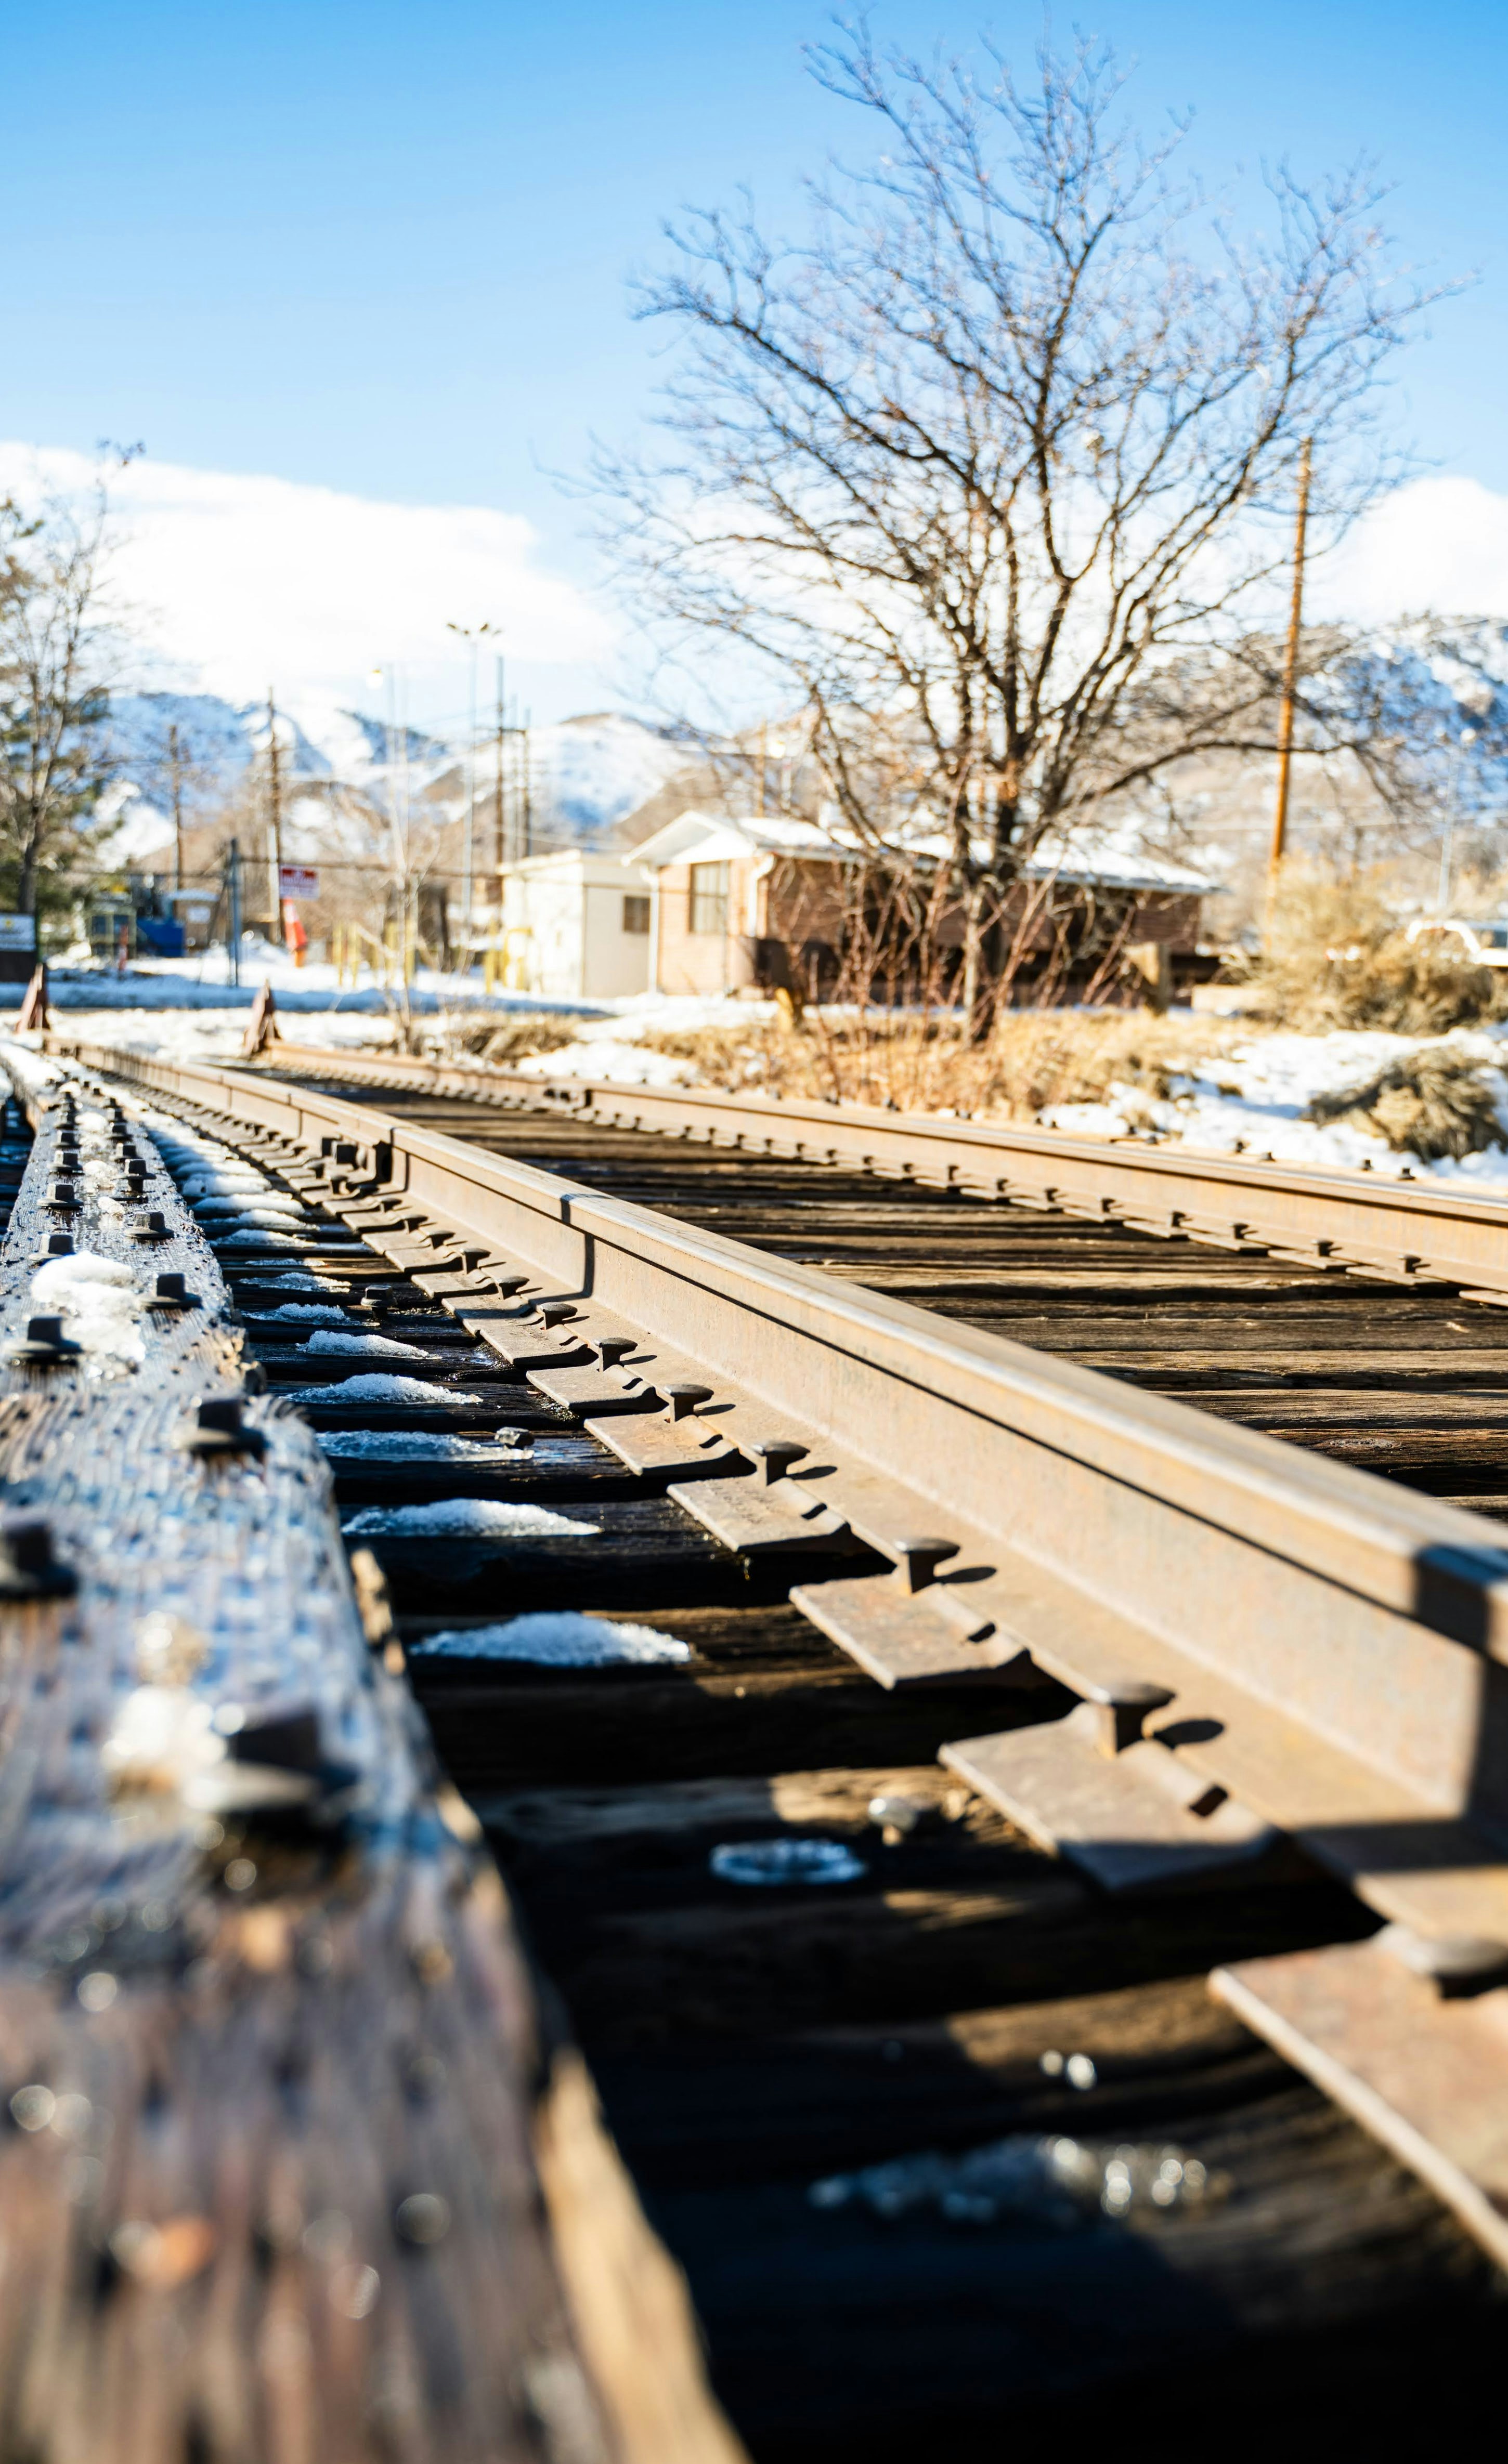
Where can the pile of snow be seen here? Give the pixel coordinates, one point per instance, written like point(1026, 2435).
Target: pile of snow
point(97, 1302)
point(624, 1065)
point(350, 1341)
point(468, 1518)
point(377, 1386)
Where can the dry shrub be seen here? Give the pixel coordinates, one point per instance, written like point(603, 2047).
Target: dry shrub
point(502, 1045)
point(1430, 1103)
point(1337, 956)
point(1035, 1058)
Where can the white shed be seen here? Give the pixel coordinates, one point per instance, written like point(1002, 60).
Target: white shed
point(575, 925)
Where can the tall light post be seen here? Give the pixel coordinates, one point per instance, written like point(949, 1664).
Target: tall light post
point(471, 635)
point(1467, 736)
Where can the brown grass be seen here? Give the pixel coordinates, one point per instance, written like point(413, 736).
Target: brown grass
point(1034, 1059)
point(502, 1044)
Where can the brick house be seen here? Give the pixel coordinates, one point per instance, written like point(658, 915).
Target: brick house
point(748, 904)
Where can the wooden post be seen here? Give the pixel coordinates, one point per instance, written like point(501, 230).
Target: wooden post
point(1285, 725)
point(34, 1001)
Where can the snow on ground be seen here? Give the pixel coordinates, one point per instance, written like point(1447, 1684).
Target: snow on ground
point(1254, 1101)
point(610, 1057)
point(203, 983)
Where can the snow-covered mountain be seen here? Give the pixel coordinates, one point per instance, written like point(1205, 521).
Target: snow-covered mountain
point(587, 774)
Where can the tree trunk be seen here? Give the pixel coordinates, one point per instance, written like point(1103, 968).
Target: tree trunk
point(987, 955)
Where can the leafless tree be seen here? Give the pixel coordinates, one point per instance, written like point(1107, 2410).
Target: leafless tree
point(1009, 435)
point(55, 659)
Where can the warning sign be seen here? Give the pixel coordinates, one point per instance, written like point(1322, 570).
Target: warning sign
point(298, 881)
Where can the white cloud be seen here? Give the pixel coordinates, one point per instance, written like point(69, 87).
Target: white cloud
point(241, 582)
point(1439, 543)
point(246, 581)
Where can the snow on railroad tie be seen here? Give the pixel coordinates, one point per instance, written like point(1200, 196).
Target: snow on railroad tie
point(421, 1445)
point(557, 1639)
point(470, 1518)
point(313, 1313)
point(379, 1386)
point(351, 1341)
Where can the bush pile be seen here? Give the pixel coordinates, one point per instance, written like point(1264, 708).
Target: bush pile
point(1337, 956)
point(1432, 1103)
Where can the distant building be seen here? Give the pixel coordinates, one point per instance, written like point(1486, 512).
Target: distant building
point(576, 926)
point(753, 902)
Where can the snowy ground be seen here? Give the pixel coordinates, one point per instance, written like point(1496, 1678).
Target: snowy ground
point(203, 983)
point(1253, 1101)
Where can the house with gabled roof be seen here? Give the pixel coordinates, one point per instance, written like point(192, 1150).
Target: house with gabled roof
point(755, 902)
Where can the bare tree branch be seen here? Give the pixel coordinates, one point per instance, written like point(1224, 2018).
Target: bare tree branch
point(986, 465)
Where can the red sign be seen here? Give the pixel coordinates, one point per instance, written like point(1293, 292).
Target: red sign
point(297, 881)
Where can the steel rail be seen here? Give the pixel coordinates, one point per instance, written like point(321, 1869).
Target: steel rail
point(1369, 1223)
point(1264, 1642)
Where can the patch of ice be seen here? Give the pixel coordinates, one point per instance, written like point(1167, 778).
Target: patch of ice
point(268, 1240)
point(229, 1212)
point(1059, 2181)
point(473, 1518)
point(420, 1445)
point(300, 1280)
point(765, 1865)
point(559, 1638)
point(317, 1312)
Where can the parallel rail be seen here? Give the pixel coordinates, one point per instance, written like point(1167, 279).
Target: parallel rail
point(1320, 1651)
point(1371, 1223)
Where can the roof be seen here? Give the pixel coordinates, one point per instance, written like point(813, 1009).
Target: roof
point(568, 860)
point(1107, 860)
point(696, 837)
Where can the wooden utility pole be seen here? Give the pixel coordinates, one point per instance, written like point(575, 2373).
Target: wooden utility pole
point(1285, 725)
point(499, 831)
point(273, 818)
point(175, 771)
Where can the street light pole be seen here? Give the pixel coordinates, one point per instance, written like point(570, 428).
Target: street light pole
point(1468, 735)
point(471, 635)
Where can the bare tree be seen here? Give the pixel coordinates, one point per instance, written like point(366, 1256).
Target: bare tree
point(55, 662)
point(1008, 436)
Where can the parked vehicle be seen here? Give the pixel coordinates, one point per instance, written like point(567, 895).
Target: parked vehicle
point(1476, 943)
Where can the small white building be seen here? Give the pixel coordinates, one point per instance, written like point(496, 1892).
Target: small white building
point(575, 925)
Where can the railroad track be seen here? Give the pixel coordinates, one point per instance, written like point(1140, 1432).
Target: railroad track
point(892, 1976)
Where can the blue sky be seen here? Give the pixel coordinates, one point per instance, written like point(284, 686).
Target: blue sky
point(383, 251)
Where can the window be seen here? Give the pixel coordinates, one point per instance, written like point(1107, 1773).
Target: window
point(709, 899)
point(635, 915)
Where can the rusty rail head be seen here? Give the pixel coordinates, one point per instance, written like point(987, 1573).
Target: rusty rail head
point(1363, 1220)
point(1376, 1616)
point(1263, 1638)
